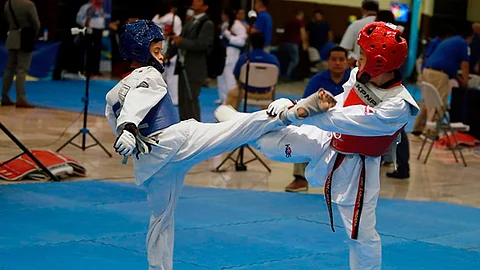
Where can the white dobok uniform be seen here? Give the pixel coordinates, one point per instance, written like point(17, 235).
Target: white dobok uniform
point(141, 98)
point(318, 140)
point(234, 43)
point(164, 22)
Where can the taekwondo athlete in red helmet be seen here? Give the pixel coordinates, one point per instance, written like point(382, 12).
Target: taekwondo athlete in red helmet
point(344, 144)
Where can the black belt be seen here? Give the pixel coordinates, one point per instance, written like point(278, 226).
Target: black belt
point(357, 212)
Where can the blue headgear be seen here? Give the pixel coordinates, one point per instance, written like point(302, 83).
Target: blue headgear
point(135, 42)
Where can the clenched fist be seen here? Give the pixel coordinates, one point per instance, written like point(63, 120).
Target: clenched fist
point(326, 99)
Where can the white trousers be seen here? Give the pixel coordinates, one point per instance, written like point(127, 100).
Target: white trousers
point(312, 145)
point(226, 80)
point(193, 142)
point(172, 80)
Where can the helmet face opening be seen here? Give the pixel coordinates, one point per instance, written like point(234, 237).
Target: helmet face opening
point(385, 49)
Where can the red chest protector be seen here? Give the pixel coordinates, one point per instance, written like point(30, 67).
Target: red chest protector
point(372, 146)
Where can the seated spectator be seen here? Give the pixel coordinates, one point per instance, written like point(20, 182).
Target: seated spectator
point(445, 31)
point(332, 80)
point(257, 55)
point(450, 55)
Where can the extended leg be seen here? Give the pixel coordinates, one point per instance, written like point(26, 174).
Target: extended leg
point(208, 140)
point(293, 144)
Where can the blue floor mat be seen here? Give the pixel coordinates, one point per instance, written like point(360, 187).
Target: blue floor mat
point(102, 225)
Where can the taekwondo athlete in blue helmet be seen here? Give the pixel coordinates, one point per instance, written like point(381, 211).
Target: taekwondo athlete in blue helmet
point(147, 126)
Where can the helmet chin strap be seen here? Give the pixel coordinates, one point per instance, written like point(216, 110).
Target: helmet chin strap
point(156, 64)
point(364, 78)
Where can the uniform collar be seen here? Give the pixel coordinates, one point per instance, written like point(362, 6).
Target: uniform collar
point(198, 16)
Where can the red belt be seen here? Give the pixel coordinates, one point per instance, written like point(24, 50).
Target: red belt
point(360, 194)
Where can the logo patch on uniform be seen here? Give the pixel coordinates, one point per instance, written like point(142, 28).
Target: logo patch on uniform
point(143, 84)
point(288, 151)
point(122, 93)
point(368, 110)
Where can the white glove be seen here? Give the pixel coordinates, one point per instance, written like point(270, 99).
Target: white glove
point(314, 104)
point(279, 105)
point(125, 143)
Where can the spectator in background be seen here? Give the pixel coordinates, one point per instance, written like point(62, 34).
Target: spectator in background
point(349, 41)
point(82, 13)
point(475, 49)
point(193, 44)
point(257, 55)
point(295, 36)
point(263, 23)
point(444, 31)
point(19, 60)
point(402, 149)
point(319, 32)
point(449, 56)
point(332, 80)
point(240, 15)
point(171, 24)
point(234, 37)
point(96, 22)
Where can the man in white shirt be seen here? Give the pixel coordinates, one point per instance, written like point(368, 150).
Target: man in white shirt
point(170, 24)
point(349, 40)
point(82, 13)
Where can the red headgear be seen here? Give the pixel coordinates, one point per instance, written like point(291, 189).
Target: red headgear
point(385, 48)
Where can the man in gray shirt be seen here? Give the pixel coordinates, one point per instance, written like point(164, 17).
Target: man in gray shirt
point(19, 60)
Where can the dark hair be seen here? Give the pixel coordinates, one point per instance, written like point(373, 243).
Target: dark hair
point(318, 11)
point(370, 5)
point(299, 12)
point(264, 2)
point(231, 17)
point(257, 40)
point(338, 49)
point(465, 29)
point(445, 30)
point(385, 16)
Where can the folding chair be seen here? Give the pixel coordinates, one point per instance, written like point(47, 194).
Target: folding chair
point(261, 76)
point(440, 122)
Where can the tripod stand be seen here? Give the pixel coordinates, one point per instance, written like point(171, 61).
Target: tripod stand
point(240, 165)
point(84, 131)
point(26, 151)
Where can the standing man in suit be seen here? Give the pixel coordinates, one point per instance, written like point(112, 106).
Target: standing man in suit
point(18, 59)
point(193, 44)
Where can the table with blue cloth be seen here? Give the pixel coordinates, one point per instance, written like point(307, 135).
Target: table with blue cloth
point(465, 108)
point(44, 58)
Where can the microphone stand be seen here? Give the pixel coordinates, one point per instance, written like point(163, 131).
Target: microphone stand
point(240, 165)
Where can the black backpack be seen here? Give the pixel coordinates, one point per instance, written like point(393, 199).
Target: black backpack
point(217, 54)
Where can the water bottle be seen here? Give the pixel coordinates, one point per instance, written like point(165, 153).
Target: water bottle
point(45, 34)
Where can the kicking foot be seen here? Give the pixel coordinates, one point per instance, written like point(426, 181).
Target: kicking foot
point(297, 185)
point(225, 112)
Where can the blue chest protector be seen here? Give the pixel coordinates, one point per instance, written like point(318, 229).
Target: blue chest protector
point(160, 116)
point(226, 43)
